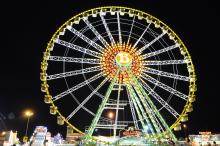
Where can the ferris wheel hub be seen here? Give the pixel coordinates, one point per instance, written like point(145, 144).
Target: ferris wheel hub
point(123, 59)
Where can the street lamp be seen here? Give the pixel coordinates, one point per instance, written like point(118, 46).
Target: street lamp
point(111, 116)
point(27, 114)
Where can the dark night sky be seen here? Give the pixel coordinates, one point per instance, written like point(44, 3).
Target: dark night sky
point(28, 26)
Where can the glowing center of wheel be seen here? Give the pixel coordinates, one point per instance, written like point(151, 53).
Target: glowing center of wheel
point(123, 59)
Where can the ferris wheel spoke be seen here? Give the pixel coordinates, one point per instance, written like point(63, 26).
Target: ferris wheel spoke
point(164, 86)
point(150, 43)
point(104, 42)
point(164, 62)
point(76, 60)
point(86, 99)
point(131, 30)
point(86, 109)
point(165, 74)
point(159, 99)
point(55, 98)
point(107, 30)
point(119, 28)
point(147, 55)
point(78, 48)
point(73, 73)
point(86, 39)
point(141, 35)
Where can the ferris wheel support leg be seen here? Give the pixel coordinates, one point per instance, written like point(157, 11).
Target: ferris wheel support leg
point(116, 115)
point(100, 109)
point(148, 109)
point(136, 107)
point(156, 111)
point(132, 110)
point(137, 101)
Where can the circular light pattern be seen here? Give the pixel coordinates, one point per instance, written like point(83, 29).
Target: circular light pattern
point(124, 57)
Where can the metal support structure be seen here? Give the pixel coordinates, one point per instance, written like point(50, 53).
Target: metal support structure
point(86, 99)
point(148, 110)
point(164, 86)
point(159, 99)
point(78, 48)
point(146, 117)
point(136, 107)
point(108, 31)
point(132, 110)
point(104, 124)
point(116, 114)
point(119, 29)
point(150, 43)
point(113, 105)
point(76, 87)
point(101, 108)
point(86, 39)
point(147, 55)
point(141, 35)
point(92, 28)
point(170, 133)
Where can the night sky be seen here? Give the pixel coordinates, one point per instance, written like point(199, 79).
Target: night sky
point(29, 25)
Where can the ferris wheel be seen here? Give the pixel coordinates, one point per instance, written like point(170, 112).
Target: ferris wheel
point(121, 61)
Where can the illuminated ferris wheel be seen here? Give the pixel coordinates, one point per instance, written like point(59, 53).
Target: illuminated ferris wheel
point(118, 60)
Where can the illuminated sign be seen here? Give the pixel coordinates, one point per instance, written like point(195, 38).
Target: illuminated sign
point(127, 133)
point(131, 132)
point(205, 133)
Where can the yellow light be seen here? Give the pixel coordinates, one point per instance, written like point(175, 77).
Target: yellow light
point(184, 126)
point(205, 133)
point(110, 115)
point(29, 113)
point(123, 59)
point(3, 133)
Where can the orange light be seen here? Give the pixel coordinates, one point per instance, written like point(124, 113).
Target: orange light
point(205, 133)
point(3, 133)
point(29, 113)
point(111, 115)
point(112, 59)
